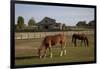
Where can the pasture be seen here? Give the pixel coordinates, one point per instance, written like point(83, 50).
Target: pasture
point(26, 52)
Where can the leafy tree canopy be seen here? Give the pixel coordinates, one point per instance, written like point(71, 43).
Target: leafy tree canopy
point(31, 22)
point(20, 22)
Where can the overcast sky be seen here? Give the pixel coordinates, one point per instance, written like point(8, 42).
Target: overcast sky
point(68, 15)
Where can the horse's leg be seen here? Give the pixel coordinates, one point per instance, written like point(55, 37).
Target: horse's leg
point(64, 48)
point(84, 42)
point(61, 53)
point(81, 42)
point(64, 51)
point(50, 52)
point(75, 42)
point(40, 56)
point(50, 49)
point(45, 52)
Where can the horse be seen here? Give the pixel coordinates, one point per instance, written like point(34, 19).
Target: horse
point(50, 41)
point(81, 37)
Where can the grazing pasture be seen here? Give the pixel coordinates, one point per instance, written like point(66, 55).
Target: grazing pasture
point(26, 51)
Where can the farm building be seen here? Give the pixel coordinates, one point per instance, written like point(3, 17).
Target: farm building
point(49, 24)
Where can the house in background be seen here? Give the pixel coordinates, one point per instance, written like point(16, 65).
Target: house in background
point(49, 24)
point(46, 24)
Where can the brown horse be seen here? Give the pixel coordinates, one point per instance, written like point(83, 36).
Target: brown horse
point(49, 42)
point(81, 37)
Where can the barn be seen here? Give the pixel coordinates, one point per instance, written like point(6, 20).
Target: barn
point(49, 24)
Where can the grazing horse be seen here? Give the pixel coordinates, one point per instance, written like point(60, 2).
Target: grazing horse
point(49, 42)
point(81, 37)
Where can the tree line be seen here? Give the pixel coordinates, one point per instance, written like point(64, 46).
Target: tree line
point(20, 22)
point(31, 23)
point(83, 23)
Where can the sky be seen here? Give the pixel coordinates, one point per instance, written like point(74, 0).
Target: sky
point(67, 15)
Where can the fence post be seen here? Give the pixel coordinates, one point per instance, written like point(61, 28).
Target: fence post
point(21, 36)
point(39, 35)
point(28, 36)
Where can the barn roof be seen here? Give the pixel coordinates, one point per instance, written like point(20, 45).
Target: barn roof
point(49, 18)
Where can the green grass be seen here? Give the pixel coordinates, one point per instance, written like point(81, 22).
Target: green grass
point(26, 52)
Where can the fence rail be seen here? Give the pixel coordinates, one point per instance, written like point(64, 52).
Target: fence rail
point(32, 35)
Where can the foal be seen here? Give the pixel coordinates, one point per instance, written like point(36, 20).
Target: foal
point(50, 41)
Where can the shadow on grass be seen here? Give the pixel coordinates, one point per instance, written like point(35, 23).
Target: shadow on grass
point(33, 57)
point(26, 57)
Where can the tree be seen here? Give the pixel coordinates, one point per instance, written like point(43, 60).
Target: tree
point(81, 23)
point(31, 22)
point(63, 26)
point(20, 22)
point(91, 23)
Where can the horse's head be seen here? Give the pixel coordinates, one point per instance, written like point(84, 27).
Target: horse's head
point(39, 52)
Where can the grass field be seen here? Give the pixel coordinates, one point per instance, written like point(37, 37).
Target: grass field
point(26, 52)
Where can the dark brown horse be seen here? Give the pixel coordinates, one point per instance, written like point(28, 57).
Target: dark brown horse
point(81, 37)
point(49, 42)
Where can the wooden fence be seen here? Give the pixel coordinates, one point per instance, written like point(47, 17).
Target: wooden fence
point(32, 35)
